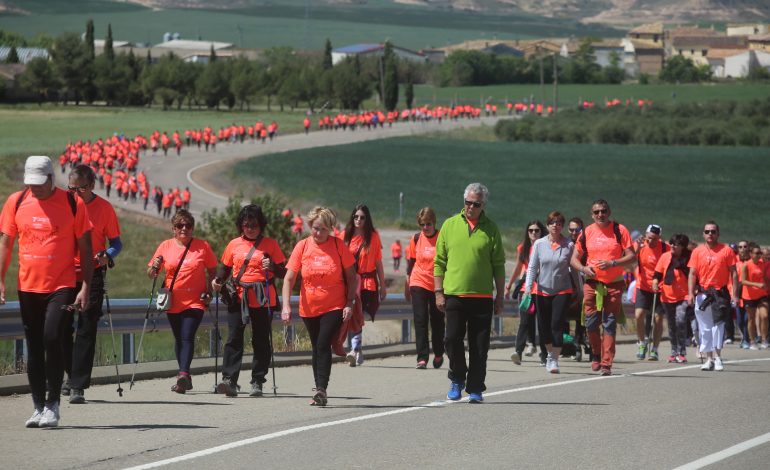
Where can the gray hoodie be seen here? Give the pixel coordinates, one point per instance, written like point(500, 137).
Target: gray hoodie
point(549, 267)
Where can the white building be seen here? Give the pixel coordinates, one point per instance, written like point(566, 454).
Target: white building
point(375, 50)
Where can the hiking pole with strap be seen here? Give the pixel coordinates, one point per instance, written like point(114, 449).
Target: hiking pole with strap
point(111, 264)
point(270, 338)
point(216, 339)
point(651, 335)
point(144, 327)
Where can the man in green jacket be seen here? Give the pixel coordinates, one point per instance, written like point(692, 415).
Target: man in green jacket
point(469, 265)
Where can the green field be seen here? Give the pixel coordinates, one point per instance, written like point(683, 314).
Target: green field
point(570, 95)
point(264, 24)
point(677, 187)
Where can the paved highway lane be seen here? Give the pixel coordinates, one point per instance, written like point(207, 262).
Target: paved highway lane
point(386, 414)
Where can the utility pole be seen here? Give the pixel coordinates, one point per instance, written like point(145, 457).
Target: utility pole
point(542, 76)
point(555, 84)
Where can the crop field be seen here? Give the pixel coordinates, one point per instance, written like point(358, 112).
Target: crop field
point(570, 95)
point(677, 187)
point(262, 24)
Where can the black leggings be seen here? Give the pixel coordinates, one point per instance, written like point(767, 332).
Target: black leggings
point(184, 325)
point(527, 323)
point(425, 311)
point(45, 328)
point(79, 355)
point(551, 312)
point(260, 343)
point(322, 330)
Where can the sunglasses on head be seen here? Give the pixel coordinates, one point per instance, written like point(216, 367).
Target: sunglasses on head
point(475, 204)
point(183, 225)
point(600, 211)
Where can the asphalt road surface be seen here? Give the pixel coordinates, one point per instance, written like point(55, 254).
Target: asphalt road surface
point(386, 414)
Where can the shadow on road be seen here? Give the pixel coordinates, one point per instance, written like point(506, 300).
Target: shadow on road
point(139, 427)
point(157, 402)
point(542, 403)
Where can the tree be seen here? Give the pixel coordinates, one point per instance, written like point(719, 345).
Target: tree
point(679, 69)
point(89, 39)
point(212, 85)
point(350, 88)
point(583, 67)
point(114, 78)
point(327, 63)
point(390, 78)
point(71, 64)
point(409, 92)
point(89, 87)
point(109, 52)
point(40, 78)
point(212, 54)
point(614, 72)
point(244, 82)
point(9, 38)
point(13, 56)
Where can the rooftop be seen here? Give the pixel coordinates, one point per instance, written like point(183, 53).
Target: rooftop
point(25, 53)
point(193, 45)
point(651, 28)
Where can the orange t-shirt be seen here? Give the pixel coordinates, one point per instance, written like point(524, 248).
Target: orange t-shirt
point(235, 254)
point(322, 269)
point(602, 245)
point(395, 250)
point(755, 273)
point(677, 291)
point(712, 266)
point(105, 223)
point(648, 260)
point(367, 259)
point(191, 280)
point(48, 235)
point(422, 253)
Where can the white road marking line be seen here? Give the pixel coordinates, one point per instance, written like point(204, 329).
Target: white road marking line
point(201, 188)
point(726, 453)
point(297, 430)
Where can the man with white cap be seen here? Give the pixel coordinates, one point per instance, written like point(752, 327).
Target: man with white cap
point(47, 221)
point(649, 249)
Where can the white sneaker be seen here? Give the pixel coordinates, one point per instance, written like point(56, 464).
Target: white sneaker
point(359, 358)
point(555, 366)
point(530, 350)
point(718, 364)
point(50, 418)
point(34, 420)
point(764, 345)
point(516, 358)
point(351, 359)
point(708, 365)
point(728, 341)
point(754, 346)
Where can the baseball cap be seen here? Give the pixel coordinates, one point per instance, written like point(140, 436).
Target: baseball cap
point(37, 169)
point(654, 228)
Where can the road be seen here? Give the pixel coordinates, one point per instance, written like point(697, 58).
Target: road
point(386, 414)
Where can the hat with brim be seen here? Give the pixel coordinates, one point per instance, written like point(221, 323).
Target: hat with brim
point(37, 169)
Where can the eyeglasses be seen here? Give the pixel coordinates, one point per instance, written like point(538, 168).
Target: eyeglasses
point(475, 204)
point(575, 230)
point(555, 222)
point(79, 188)
point(600, 211)
point(184, 225)
point(709, 232)
point(534, 230)
point(359, 217)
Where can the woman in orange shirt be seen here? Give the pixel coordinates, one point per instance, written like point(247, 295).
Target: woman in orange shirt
point(190, 293)
point(365, 245)
point(754, 295)
point(419, 290)
point(326, 294)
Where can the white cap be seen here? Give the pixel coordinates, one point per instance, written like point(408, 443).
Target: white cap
point(37, 169)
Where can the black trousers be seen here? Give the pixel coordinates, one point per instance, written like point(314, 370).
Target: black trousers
point(426, 312)
point(322, 330)
point(474, 316)
point(551, 312)
point(79, 355)
point(527, 326)
point(232, 359)
point(45, 327)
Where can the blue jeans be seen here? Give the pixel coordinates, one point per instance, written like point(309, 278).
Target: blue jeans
point(184, 325)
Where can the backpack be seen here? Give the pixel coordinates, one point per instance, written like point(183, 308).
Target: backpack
point(70, 199)
point(582, 240)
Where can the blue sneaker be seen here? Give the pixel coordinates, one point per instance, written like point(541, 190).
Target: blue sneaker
point(475, 397)
point(455, 391)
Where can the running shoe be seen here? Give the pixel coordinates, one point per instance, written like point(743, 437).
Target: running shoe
point(605, 371)
point(181, 384)
point(34, 420)
point(438, 361)
point(256, 390)
point(65, 388)
point(319, 399)
point(672, 359)
point(764, 345)
point(516, 358)
point(455, 391)
point(227, 388)
point(475, 397)
point(578, 354)
point(718, 364)
point(595, 366)
point(754, 346)
point(530, 350)
point(351, 358)
point(50, 417)
point(708, 365)
point(728, 341)
point(653, 355)
point(744, 345)
point(77, 397)
point(642, 350)
point(681, 359)
point(359, 358)
point(554, 366)
point(422, 364)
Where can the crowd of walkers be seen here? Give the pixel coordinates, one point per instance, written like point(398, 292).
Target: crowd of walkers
point(455, 281)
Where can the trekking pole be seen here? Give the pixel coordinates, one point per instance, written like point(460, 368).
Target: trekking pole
point(651, 330)
point(144, 327)
point(270, 338)
point(216, 339)
point(111, 264)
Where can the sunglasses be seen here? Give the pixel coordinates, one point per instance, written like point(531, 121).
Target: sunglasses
point(575, 230)
point(600, 211)
point(709, 232)
point(181, 226)
point(742, 247)
point(78, 188)
point(534, 230)
point(359, 217)
point(555, 222)
point(475, 204)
